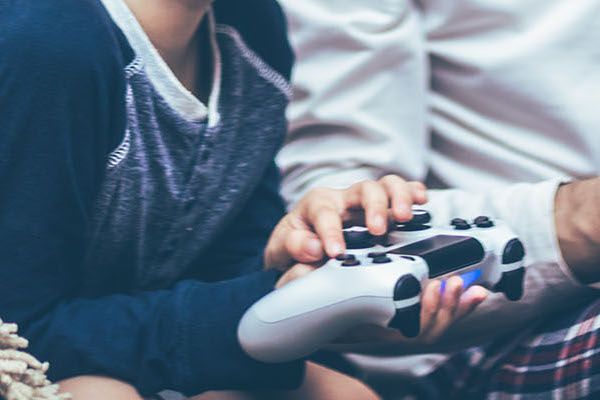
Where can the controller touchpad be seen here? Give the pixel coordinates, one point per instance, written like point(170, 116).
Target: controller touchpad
point(445, 253)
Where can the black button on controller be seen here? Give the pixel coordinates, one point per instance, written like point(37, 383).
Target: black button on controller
point(462, 227)
point(406, 287)
point(374, 254)
point(420, 217)
point(382, 260)
point(483, 222)
point(358, 239)
point(351, 263)
point(412, 227)
point(344, 257)
point(458, 221)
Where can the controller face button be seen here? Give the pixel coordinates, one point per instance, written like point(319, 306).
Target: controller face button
point(353, 262)
point(420, 217)
point(408, 258)
point(407, 286)
point(412, 227)
point(458, 221)
point(513, 252)
point(344, 257)
point(480, 219)
point(375, 254)
point(382, 259)
point(485, 224)
point(462, 227)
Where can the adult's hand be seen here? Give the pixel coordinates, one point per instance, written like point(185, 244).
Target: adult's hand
point(313, 229)
point(577, 218)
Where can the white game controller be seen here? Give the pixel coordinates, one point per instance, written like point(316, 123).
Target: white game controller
point(379, 281)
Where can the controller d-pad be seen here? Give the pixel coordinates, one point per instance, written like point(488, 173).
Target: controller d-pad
point(382, 260)
point(351, 263)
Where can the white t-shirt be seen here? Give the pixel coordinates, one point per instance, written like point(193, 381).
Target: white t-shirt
point(496, 99)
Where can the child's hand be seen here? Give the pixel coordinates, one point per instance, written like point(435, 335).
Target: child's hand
point(313, 229)
point(439, 309)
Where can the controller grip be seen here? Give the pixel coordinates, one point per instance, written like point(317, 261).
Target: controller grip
point(511, 284)
point(298, 336)
point(408, 320)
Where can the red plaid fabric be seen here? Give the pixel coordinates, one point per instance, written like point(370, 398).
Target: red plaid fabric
point(558, 359)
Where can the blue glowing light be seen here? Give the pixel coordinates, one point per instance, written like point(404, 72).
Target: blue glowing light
point(468, 279)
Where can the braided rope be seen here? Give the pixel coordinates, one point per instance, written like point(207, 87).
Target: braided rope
point(22, 376)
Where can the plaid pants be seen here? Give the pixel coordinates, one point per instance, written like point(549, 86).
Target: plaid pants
point(557, 359)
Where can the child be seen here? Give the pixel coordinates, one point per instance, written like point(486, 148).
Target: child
point(139, 190)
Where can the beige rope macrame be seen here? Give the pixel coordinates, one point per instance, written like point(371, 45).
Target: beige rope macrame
point(22, 376)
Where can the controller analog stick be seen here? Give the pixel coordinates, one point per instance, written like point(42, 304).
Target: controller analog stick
point(382, 260)
point(420, 217)
point(359, 239)
point(513, 252)
point(351, 263)
point(412, 227)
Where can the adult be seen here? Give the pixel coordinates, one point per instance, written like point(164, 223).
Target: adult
point(493, 103)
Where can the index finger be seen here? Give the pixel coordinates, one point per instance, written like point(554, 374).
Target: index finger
point(328, 226)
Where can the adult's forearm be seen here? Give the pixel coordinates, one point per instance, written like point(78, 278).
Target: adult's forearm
point(577, 217)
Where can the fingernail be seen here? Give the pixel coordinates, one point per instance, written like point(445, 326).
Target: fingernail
point(379, 222)
point(313, 247)
point(335, 249)
point(404, 209)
